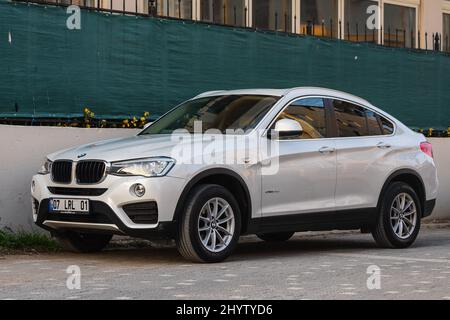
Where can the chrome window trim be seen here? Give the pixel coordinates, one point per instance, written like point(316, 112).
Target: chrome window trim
point(264, 134)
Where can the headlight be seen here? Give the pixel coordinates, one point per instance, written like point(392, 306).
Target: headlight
point(150, 167)
point(46, 167)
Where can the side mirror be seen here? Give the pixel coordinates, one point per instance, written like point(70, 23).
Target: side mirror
point(288, 128)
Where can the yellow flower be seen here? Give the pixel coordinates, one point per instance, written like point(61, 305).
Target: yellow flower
point(146, 114)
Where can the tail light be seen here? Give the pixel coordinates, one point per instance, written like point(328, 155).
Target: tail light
point(427, 148)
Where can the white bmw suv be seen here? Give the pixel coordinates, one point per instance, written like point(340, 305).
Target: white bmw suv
point(228, 163)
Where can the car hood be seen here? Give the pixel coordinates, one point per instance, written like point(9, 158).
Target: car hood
point(121, 149)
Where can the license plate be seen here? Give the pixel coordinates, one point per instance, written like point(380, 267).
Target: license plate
point(74, 206)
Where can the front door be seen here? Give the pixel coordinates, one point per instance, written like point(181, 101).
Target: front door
point(306, 177)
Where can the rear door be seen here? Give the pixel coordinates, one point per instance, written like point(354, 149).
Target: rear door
point(364, 147)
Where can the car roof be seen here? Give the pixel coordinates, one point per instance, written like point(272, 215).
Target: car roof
point(300, 91)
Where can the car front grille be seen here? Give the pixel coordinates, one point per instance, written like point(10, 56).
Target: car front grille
point(62, 171)
point(90, 172)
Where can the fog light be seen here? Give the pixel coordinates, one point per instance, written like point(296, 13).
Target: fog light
point(138, 190)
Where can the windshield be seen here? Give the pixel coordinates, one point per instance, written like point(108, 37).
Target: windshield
point(227, 112)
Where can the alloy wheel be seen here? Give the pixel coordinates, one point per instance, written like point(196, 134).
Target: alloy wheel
point(403, 216)
point(216, 224)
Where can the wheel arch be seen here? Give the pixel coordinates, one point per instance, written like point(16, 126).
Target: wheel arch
point(227, 178)
point(412, 178)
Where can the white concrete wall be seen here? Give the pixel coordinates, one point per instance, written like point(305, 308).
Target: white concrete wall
point(23, 149)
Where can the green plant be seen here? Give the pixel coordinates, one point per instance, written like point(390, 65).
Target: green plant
point(24, 241)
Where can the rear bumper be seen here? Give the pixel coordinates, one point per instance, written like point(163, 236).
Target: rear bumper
point(429, 207)
point(102, 219)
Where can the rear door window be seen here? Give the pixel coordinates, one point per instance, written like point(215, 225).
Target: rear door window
point(386, 126)
point(373, 124)
point(356, 121)
point(351, 119)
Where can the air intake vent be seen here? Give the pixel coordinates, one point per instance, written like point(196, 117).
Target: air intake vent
point(142, 213)
point(62, 172)
point(90, 172)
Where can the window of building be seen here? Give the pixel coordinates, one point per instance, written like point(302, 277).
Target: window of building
point(310, 114)
point(446, 33)
point(399, 26)
point(175, 8)
point(356, 18)
point(272, 14)
point(231, 12)
point(319, 17)
point(139, 6)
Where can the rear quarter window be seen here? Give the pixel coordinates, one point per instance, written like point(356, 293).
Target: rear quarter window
point(386, 126)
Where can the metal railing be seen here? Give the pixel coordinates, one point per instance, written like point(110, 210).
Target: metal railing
point(351, 31)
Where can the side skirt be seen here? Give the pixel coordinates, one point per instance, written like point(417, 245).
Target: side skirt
point(318, 221)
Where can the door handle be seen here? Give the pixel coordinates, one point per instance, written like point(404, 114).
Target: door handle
point(325, 150)
point(383, 145)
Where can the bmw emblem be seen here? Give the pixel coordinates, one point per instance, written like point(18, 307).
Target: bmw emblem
point(82, 155)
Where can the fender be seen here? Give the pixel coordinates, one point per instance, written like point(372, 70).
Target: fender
point(208, 173)
point(393, 176)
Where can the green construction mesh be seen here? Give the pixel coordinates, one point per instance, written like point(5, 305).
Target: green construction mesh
point(127, 65)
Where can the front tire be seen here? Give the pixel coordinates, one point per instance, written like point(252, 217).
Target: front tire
point(399, 219)
point(83, 242)
point(210, 226)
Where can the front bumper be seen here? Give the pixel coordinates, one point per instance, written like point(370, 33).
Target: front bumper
point(107, 214)
point(102, 219)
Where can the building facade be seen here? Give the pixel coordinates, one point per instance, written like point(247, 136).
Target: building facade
point(423, 24)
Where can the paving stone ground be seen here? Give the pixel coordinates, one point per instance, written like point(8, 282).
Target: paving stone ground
point(310, 266)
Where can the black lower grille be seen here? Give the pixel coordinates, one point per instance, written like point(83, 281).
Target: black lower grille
point(142, 213)
point(90, 172)
point(94, 192)
point(62, 171)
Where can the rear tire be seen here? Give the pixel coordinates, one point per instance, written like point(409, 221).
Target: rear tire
point(398, 223)
point(83, 242)
point(276, 237)
point(209, 235)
